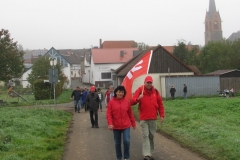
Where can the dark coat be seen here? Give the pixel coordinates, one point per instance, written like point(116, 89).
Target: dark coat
point(185, 89)
point(92, 101)
point(77, 95)
point(172, 90)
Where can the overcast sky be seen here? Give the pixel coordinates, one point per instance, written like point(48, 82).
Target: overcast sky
point(77, 24)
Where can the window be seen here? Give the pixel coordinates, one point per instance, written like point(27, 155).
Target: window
point(106, 75)
point(113, 77)
point(215, 25)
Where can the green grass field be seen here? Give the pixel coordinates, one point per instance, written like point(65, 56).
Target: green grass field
point(32, 133)
point(209, 126)
point(15, 101)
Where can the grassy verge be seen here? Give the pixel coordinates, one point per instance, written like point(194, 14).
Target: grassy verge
point(209, 126)
point(32, 133)
point(63, 98)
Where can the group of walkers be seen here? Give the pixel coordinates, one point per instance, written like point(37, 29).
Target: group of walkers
point(91, 100)
point(120, 117)
point(173, 90)
point(80, 95)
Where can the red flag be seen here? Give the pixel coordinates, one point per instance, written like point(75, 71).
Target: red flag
point(139, 69)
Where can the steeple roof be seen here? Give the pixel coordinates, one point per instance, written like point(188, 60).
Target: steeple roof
point(212, 7)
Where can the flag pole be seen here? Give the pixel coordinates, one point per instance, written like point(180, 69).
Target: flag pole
point(142, 90)
point(149, 61)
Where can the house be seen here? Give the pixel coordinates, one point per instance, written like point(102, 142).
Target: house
point(162, 65)
point(35, 54)
point(75, 57)
point(228, 79)
point(103, 63)
point(27, 58)
point(234, 36)
point(67, 61)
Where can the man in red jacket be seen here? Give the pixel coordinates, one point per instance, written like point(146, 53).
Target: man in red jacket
point(150, 105)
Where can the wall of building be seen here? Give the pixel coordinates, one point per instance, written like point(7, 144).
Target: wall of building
point(75, 71)
point(98, 69)
point(196, 85)
point(85, 77)
point(159, 81)
point(67, 71)
point(24, 77)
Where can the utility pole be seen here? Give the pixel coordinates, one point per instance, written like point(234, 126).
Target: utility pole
point(53, 76)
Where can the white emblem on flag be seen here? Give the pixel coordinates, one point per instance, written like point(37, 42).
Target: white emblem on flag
point(134, 69)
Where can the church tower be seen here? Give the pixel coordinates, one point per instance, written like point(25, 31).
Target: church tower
point(213, 24)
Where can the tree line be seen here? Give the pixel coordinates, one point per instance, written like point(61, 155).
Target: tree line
point(214, 56)
point(211, 57)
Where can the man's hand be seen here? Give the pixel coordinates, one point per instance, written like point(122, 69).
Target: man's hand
point(161, 119)
point(140, 97)
point(110, 127)
point(71, 98)
point(134, 127)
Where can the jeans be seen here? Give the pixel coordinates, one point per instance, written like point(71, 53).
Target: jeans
point(149, 128)
point(126, 142)
point(94, 120)
point(100, 104)
point(185, 95)
point(77, 104)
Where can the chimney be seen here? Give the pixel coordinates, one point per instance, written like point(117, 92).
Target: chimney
point(100, 43)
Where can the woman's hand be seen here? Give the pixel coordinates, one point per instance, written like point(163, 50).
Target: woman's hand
point(110, 127)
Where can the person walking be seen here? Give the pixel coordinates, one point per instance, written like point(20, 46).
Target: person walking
point(232, 92)
point(172, 92)
point(77, 94)
point(84, 96)
point(92, 101)
point(184, 91)
point(120, 118)
point(109, 94)
point(100, 94)
point(150, 105)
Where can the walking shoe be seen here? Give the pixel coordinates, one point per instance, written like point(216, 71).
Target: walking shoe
point(151, 158)
point(97, 126)
point(92, 126)
point(147, 158)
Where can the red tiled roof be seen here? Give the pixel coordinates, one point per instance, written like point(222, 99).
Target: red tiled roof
point(112, 55)
point(170, 49)
point(118, 44)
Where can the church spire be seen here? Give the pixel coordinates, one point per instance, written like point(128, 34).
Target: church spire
point(212, 7)
point(213, 24)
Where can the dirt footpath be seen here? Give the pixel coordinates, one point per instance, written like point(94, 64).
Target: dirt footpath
point(86, 143)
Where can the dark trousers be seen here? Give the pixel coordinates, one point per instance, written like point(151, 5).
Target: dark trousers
point(172, 95)
point(94, 120)
point(85, 106)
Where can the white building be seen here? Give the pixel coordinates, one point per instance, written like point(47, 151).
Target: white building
point(67, 61)
point(103, 63)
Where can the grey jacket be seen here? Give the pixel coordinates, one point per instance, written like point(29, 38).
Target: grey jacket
point(92, 101)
